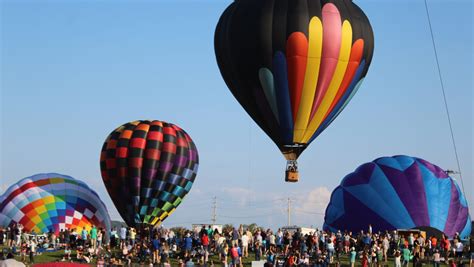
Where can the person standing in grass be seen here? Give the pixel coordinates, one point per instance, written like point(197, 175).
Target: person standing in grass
point(188, 245)
point(352, 256)
point(93, 234)
point(258, 250)
point(379, 254)
point(66, 237)
point(234, 254)
point(133, 235)
point(23, 250)
point(406, 256)
point(156, 249)
point(279, 240)
point(235, 237)
point(32, 250)
point(205, 241)
point(436, 258)
point(99, 238)
point(446, 245)
point(53, 239)
point(365, 258)
point(386, 246)
point(84, 235)
point(19, 233)
point(224, 253)
point(459, 248)
point(123, 236)
point(397, 258)
point(245, 245)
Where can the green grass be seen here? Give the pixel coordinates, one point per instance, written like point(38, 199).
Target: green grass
point(58, 255)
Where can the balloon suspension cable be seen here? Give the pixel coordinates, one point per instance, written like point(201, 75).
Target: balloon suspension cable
point(444, 98)
point(250, 155)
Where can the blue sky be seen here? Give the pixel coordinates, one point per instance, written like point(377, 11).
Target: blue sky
point(72, 71)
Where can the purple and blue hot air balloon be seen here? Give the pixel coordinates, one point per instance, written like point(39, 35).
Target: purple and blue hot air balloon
point(399, 192)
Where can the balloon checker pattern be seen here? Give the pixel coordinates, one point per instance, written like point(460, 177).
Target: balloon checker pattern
point(148, 167)
point(293, 65)
point(52, 202)
point(398, 192)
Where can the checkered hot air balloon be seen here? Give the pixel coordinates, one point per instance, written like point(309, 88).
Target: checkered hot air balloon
point(148, 167)
point(398, 192)
point(293, 65)
point(52, 202)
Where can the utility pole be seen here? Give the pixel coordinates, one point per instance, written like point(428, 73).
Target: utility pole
point(214, 210)
point(289, 211)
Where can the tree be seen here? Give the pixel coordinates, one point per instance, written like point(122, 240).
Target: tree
point(251, 227)
point(227, 228)
point(179, 231)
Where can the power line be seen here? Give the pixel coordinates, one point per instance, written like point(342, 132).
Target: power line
point(250, 216)
point(230, 202)
point(308, 212)
point(202, 205)
point(192, 221)
point(444, 96)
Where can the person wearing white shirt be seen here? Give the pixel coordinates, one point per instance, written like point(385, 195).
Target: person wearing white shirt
point(436, 258)
point(272, 240)
point(32, 250)
point(459, 249)
point(245, 246)
point(123, 236)
point(386, 245)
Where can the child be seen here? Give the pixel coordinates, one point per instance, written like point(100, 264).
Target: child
point(24, 249)
point(67, 253)
point(398, 256)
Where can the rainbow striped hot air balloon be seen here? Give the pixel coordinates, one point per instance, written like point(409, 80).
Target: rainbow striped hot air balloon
point(398, 192)
point(52, 202)
point(293, 65)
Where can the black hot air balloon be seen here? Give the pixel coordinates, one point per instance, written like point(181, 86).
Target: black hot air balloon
point(293, 65)
point(148, 167)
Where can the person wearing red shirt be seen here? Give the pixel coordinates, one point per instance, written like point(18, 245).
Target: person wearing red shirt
point(205, 241)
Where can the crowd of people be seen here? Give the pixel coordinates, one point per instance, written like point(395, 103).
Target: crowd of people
point(230, 247)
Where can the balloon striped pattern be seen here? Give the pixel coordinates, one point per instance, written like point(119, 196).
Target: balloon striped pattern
point(52, 202)
point(293, 65)
point(148, 167)
point(398, 192)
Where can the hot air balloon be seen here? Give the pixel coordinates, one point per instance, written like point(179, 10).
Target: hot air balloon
point(399, 192)
point(148, 167)
point(52, 202)
point(293, 65)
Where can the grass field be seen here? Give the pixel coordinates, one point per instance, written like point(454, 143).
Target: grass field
point(58, 255)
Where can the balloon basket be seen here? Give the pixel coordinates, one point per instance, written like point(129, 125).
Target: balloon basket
point(292, 176)
point(291, 173)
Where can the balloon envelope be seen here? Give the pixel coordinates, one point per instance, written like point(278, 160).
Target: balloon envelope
point(148, 167)
point(293, 65)
point(399, 192)
point(52, 202)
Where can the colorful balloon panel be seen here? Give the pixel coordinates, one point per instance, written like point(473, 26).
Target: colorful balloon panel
point(148, 167)
point(52, 202)
point(293, 65)
point(399, 192)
